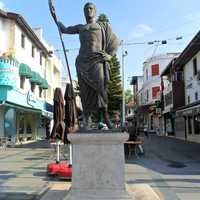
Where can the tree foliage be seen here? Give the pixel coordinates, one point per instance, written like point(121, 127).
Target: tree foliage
point(128, 96)
point(114, 87)
point(102, 18)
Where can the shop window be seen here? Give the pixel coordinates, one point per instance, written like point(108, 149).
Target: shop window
point(155, 91)
point(10, 122)
point(41, 59)
point(195, 66)
point(28, 129)
point(147, 74)
point(21, 125)
point(22, 40)
point(190, 125)
point(155, 70)
point(22, 81)
point(33, 51)
point(33, 87)
point(197, 124)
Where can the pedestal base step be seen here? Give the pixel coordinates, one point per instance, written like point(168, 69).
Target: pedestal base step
point(98, 195)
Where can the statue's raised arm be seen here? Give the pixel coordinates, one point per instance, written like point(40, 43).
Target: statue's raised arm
point(70, 29)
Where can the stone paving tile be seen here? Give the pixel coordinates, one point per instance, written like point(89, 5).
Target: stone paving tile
point(186, 196)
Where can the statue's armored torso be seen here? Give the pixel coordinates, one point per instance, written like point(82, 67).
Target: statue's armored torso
point(90, 39)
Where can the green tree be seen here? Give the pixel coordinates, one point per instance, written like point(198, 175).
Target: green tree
point(128, 96)
point(115, 85)
point(102, 18)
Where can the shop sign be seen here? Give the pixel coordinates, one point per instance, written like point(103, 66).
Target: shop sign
point(31, 99)
point(8, 73)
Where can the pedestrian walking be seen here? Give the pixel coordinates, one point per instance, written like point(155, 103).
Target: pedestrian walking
point(146, 132)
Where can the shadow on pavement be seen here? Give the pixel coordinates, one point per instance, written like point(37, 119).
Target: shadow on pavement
point(169, 156)
point(148, 181)
point(35, 145)
point(17, 196)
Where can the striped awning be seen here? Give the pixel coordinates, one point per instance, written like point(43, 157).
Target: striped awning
point(25, 70)
point(36, 78)
point(44, 84)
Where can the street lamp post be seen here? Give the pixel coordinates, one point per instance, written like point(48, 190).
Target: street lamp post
point(124, 53)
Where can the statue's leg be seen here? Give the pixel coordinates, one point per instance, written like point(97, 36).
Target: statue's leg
point(100, 116)
point(106, 118)
point(86, 120)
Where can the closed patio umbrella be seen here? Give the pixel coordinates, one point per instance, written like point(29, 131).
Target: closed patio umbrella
point(70, 111)
point(58, 115)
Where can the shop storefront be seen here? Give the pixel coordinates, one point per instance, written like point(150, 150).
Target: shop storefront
point(169, 121)
point(190, 122)
point(21, 113)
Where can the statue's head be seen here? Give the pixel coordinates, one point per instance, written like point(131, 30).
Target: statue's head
point(89, 11)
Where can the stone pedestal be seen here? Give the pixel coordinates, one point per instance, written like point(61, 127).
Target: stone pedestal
point(98, 167)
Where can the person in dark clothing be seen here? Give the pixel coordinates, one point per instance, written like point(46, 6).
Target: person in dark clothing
point(47, 126)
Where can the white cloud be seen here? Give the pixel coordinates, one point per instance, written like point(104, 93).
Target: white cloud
point(2, 6)
point(140, 31)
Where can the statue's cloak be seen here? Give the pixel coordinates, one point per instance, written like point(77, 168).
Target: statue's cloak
point(94, 73)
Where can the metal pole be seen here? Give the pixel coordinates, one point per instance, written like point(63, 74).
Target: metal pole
point(123, 92)
point(57, 152)
point(70, 154)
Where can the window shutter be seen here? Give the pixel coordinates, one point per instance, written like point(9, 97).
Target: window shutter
point(155, 70)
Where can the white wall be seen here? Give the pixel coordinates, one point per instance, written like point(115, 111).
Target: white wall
point(10, 40)
point(5, 35)
point(192, 85)
point(24, 55)
point(154, 81)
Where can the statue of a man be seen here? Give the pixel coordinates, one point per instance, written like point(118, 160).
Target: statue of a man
point(97, 46)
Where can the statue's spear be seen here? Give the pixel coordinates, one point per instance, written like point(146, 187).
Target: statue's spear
point(53, 13)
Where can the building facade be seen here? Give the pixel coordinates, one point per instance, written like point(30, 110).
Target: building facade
point(150, 94)
point(187, 121)
point(29, 73)
point(172, 96)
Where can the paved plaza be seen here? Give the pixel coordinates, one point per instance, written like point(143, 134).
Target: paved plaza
point(170, 167)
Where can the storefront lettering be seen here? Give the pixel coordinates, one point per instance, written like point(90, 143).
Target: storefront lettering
point(31, 100)
point(7, 70)
point(8, 74)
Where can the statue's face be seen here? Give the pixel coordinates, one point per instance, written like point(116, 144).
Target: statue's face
point(90, 11)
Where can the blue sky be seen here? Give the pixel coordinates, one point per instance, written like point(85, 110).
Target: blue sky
point(132, 21)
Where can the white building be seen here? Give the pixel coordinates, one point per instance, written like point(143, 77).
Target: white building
point(27, 102)
point(151, 91)
point(187, 124)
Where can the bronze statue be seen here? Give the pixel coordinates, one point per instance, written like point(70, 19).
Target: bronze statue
point(97, 46)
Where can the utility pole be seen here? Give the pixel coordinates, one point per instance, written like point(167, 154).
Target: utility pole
point(124, 53)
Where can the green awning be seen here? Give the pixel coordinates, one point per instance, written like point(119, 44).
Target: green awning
point(25, 70)
point(36, 78)
point(44, 84)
